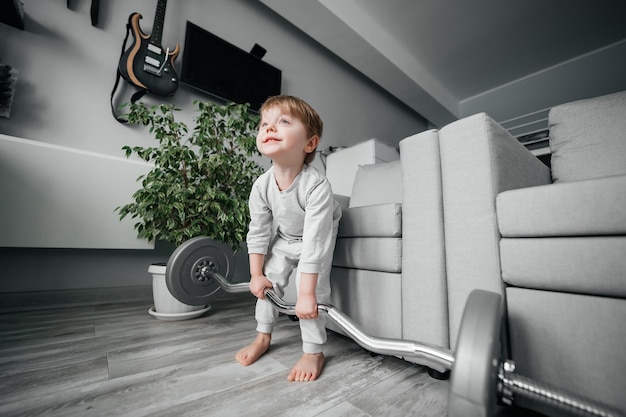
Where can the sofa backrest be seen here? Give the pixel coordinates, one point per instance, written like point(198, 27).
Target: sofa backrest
point(377, 184)
point(588, 138)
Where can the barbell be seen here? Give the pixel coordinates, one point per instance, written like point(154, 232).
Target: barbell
point(198, 271)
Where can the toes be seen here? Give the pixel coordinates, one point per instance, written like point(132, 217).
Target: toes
point(301, 376)
point(241, 358)
point(295, 375)
point(244, 358)
point(307, 369)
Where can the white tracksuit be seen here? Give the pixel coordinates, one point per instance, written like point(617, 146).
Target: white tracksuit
point(294, 228)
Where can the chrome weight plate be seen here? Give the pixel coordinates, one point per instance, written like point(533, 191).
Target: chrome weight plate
point(473, 383)
point(189, 270)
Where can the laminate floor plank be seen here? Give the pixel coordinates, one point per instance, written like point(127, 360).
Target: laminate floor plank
point(143, 393)
point(343, 409)
point(42, 318)
point(35, 335)
point(117, 360)
point(46, 300)
point(196, 348)
point(53, 318)
point(24, 385)
point(347, 371)
point(132, 335)
point(411, 392)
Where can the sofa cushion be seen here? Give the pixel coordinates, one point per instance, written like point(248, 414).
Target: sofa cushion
point(588, 138)
point(370, 298)
point(373, 253)
point(377, 184)
point(582, 265)
point(380, 220)
point(580, 208)
point(575, 342)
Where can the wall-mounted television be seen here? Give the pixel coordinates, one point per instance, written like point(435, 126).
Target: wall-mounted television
point(219, 68)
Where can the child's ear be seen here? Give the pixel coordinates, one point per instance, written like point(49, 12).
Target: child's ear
point(312, 143)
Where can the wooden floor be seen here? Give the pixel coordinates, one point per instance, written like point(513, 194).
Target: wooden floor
point(117, 360)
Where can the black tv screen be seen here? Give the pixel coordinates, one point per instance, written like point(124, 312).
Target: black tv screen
point(219, 68)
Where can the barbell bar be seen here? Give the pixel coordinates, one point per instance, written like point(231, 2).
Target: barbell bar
point(198, 271)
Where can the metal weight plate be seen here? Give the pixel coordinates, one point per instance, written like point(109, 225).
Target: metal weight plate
point(186, 274)
point(473, 383)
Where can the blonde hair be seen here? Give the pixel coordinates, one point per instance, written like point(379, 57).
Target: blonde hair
point(302, 111)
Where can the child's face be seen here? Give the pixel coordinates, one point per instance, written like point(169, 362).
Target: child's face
point(283, 138)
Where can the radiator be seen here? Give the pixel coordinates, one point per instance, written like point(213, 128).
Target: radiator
point(58, 197)
point(531, 129)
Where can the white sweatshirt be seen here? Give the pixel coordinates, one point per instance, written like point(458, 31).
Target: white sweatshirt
point(306, 212)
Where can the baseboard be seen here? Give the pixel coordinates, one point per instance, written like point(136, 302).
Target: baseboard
point(44, 300)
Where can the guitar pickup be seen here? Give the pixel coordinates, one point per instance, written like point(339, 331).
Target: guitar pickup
point(152, 70)
point(153, 48)
point(152, 61)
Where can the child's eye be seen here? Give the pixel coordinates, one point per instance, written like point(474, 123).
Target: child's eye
point(284, 121)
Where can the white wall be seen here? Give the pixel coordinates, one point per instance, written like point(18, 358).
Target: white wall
point(66, 71)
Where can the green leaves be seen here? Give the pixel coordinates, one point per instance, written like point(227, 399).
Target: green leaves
point(200, 183)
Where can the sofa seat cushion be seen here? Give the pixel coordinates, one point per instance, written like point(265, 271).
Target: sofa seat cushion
point(581, 265)
point(581, 208)
point(380, 220)
point(588, 138)
point(382, 254)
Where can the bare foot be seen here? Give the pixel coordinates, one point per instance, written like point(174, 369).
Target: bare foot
point(254, 350)
point(308, 368)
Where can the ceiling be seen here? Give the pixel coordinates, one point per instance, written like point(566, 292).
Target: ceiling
point(448, 58)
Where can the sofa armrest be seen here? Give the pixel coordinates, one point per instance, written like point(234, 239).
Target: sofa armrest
point(424, 291)
point(479, 159)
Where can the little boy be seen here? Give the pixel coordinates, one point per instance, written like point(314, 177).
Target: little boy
point(293, 225)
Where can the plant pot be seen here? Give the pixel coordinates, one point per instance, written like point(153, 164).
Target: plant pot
point(164, 302)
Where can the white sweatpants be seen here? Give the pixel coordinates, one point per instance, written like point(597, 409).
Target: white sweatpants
point(281, 260)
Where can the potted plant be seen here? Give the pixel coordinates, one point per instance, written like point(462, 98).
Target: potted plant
point(200, 180)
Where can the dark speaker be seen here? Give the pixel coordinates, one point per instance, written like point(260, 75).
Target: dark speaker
point(258, 51)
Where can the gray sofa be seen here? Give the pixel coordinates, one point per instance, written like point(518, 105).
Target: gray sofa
point(389, 267)
point(552, 240)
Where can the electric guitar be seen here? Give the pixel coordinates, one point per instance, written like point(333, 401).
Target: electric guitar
point(145, 64)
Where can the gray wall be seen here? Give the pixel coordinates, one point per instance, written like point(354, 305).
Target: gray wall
point(66, 72)
point(591, 75)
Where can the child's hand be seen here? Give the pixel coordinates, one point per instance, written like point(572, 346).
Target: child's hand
point(258, 284)
point(306, 307)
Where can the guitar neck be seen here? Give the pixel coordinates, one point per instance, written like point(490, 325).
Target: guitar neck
point(159, 18)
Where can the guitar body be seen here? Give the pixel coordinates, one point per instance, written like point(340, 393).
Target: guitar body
point(147, 65)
